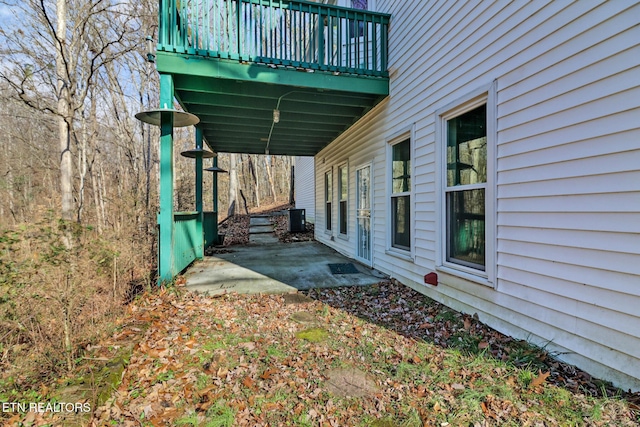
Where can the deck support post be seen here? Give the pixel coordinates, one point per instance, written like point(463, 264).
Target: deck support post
point(165, 217)
point(215, 201)
point(199, 206)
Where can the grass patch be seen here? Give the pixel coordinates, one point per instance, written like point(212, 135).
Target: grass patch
point(313, 335)
point(261, 369)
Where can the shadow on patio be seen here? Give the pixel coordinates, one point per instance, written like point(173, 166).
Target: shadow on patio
point(275, 268)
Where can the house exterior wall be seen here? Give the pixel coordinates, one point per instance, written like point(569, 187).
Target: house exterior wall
point(304, 183)
point(563, 232)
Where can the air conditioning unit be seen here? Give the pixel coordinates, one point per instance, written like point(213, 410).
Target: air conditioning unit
point(297, 220)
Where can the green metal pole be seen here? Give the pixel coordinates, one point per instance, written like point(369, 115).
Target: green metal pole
point(215, 202)
point(165, 217)
point(199, 171)
point(215, 186)
point(199, 246)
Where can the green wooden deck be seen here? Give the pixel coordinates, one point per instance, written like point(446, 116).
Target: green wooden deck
point(264, 77)
point(235, 61)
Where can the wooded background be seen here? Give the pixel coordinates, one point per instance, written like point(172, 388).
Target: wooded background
point(79, 175)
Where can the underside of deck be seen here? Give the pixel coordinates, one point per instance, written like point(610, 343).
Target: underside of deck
point(235, 103)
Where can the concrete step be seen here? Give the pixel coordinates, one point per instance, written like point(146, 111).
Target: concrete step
point(263, 238)
point(260, 229)
point(259, 221)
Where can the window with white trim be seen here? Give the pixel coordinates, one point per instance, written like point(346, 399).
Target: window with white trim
point(328, 192)
point(401, 195)
point(465, 188)
point(343, 181)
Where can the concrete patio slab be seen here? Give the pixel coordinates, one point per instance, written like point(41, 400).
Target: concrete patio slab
point(274, 268)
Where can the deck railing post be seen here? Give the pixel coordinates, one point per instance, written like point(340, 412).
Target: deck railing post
point(289, 33)
point(165, 217)
point(239, 27)
point(320, 37)
point(215, 202)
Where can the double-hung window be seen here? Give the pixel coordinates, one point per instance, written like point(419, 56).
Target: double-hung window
point(328, 196)
point(401, 195)
point(465, 161)
point(465, 189)
point(343, 180)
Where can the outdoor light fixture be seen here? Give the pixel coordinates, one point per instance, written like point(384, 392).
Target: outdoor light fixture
point(180, 118)
point(216, 169)
point(194, 153)
point(151, 56)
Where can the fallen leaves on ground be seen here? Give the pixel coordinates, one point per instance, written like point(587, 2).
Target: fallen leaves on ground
point(540, 379)
point(281, 228)
point(235, 230)
point(235, 360)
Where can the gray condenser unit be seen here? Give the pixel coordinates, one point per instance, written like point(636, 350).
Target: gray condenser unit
point(297, 220)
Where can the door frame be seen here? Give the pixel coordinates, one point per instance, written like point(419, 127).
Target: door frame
point(365, 261)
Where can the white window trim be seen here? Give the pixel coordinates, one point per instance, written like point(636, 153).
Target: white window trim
point(344, 165)
point(328, 171)
point(405, 133)
point(483, 95)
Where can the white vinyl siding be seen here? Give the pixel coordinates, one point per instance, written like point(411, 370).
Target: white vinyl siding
point(567, 174)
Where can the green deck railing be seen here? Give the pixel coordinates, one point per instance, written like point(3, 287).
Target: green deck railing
point(284, 33)
point(187, 239)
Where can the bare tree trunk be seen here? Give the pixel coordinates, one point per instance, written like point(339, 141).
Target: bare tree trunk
point(102, 194)
point(9, 181)
point(233, 183)
point(267, 164)
point(254, 173)
point(96, 199)
point(82, 167)
point(66, 165)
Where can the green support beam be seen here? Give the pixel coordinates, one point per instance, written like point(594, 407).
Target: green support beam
point(215, 186)
point(165, 217)
point(199, 204)
point(252, 89)
point(198, 171)
point(234, 70)
point(215, 199)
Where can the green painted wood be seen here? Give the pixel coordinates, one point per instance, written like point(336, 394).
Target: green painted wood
point(282, 32)
point(215, 123)
point(172, 63)
point(234, 61)
point(165, 216)
point(210, 226)
point(188, 240)
point(327, 106)
point(242, 89)
point(311, 114)
point(199, 204)
point(215, 189)
point(198, 171)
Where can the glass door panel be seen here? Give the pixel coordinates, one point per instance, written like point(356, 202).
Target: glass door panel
point(363, 214)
